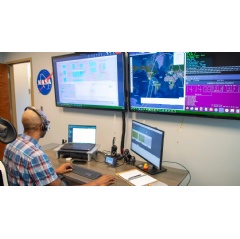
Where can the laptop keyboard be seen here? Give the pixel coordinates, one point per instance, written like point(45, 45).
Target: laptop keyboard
point(78, 146)
point(85, 172)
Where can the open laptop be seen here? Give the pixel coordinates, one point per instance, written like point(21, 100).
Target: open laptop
point(81, 138)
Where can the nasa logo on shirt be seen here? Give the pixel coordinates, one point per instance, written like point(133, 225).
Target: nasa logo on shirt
point(44, 82)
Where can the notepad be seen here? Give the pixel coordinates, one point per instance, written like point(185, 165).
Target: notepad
point(136, 177)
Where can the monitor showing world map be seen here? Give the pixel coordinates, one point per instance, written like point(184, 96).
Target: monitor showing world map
point(203, 84)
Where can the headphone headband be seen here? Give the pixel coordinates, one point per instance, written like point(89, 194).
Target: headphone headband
point(30, 108)
point(44, 120)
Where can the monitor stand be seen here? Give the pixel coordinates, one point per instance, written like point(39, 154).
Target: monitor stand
point(89, 155)
point(151, 169)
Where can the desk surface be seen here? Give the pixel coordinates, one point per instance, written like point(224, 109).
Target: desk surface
point(171, 177)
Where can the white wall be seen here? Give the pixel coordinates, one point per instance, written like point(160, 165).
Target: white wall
point(1, 57)
point(21, 88)
point(208, 148)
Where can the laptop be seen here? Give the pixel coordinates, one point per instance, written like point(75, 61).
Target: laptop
point(81, 138)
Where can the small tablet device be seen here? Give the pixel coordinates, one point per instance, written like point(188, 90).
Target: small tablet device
point(110, 160)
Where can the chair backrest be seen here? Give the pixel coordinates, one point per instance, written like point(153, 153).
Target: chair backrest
point(3, 175)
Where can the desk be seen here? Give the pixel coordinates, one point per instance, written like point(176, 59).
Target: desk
point(171, 177)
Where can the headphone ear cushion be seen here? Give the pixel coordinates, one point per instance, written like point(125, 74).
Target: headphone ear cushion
point(126, 152)
point(127, 158)
point(132, 160)
point(44, 124)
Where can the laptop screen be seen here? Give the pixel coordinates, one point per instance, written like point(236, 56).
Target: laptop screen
point(82, 134)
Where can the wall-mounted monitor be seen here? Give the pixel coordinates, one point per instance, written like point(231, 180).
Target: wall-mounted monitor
point(147, 142)
point(90, 80)
point(205, 84)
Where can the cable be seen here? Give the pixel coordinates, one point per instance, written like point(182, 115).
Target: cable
point(181, 125)
point(105, 152)
point(123, 131)
point(100, 152)
point(183, 167)
point(118, 165)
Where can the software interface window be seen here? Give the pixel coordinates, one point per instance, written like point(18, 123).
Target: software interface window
point(144, 142)
point(219, 79)
point(82, 133)
point(78, 77)
point(147, 142)
point(151, 85)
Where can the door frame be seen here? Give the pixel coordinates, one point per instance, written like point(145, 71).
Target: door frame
point(12, 86)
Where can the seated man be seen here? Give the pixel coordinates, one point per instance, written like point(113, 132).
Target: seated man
point(25, 162)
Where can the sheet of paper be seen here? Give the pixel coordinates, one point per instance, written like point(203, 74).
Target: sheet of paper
point(131, 173)
point(144, 180)
point(137, 177)
point(158, 183)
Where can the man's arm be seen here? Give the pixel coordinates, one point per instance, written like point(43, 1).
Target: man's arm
point(64, 168)
point(57, 182)
point(104, 180)
point(67, 167)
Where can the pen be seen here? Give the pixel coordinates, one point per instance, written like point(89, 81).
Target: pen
point(136, 176)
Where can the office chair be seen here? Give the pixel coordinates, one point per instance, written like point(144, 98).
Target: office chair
point(3, 175)
point(8, 134)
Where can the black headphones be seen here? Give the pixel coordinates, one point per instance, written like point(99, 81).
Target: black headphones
point(45, 122)
point(128, 159)
point(126, 152)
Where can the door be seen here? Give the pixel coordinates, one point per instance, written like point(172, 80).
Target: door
point(5, 105)
point(15, 93)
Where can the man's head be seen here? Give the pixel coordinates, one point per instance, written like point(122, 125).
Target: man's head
point(34, 120)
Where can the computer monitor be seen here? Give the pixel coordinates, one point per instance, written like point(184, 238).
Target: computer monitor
point(90, 80)
point(204, 84)
point(147, 142)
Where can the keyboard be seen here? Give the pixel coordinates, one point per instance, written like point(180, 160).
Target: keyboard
point(85, 172)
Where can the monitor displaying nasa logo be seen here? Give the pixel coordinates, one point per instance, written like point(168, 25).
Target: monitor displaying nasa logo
point(44, 82)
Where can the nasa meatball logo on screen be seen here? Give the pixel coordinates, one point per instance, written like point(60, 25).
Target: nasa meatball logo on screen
point(44, 82)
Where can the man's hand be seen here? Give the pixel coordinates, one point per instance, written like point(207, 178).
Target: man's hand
point(104, 180)
point(64, 168)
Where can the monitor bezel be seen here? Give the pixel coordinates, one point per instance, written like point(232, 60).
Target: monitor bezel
point(152, 168)
point(69, 56)
point(151, 110)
